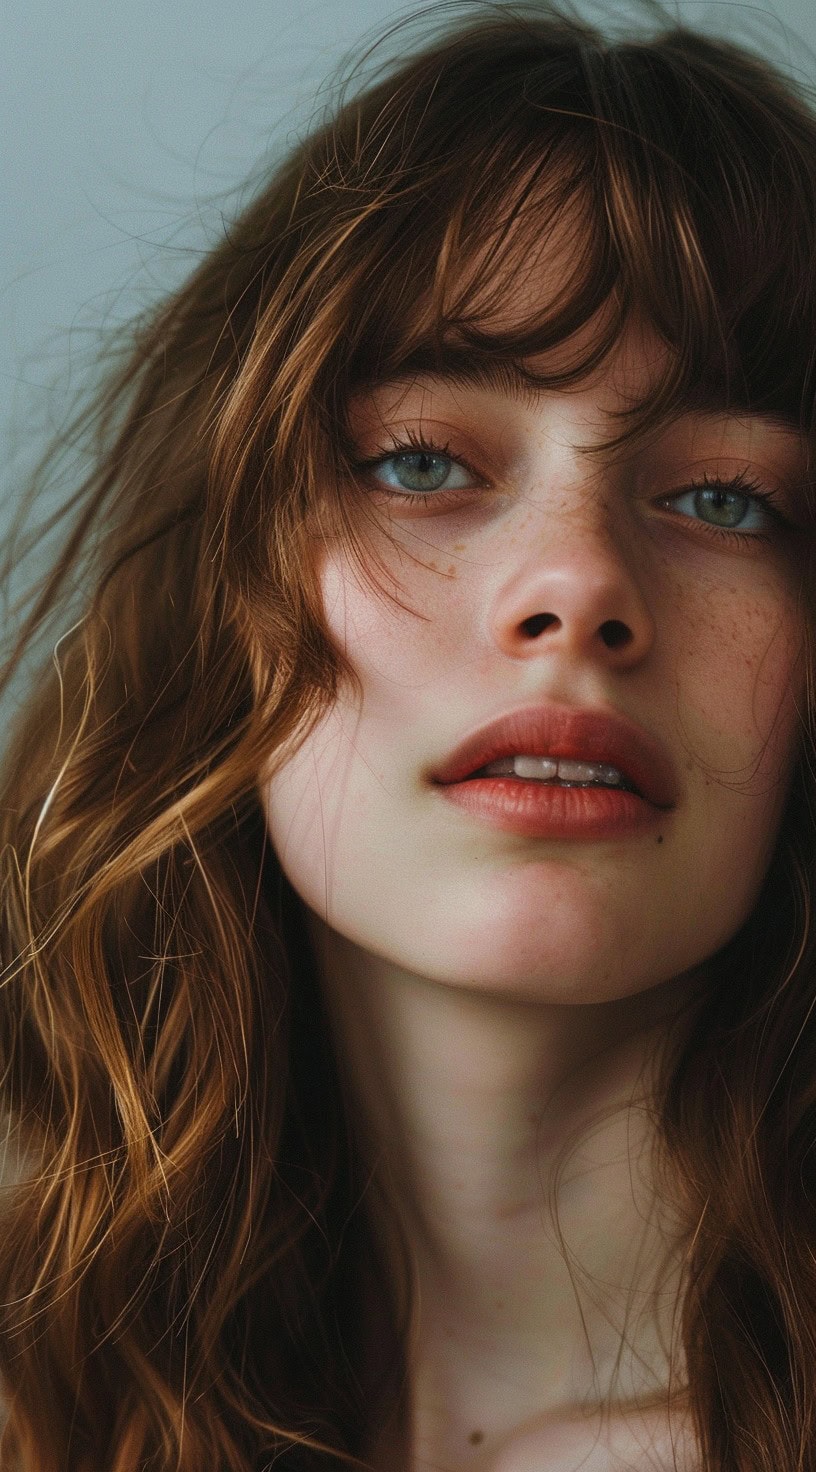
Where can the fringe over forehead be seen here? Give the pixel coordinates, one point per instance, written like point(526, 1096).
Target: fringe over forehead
point(675, 177)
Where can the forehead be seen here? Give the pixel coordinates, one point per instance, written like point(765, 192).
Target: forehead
point(634, 362)
point(538, 254)
point(453, 380)
point(559, 278)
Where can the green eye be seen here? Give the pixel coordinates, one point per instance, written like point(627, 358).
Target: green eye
point(421, 471)
point(721, 505)
point(738, 505)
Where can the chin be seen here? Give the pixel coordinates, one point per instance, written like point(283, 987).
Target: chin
point(537, 966)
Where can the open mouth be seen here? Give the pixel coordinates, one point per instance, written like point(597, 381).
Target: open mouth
point(563, 746)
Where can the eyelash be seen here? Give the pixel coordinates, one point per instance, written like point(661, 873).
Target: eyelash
point(742, 482)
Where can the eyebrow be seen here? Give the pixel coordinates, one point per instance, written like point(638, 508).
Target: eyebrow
point(466, 369)
point(462, 367)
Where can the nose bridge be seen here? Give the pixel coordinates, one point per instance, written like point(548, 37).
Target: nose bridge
point(572, 582)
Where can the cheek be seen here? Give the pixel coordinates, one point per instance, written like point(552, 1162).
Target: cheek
point(739, 679)
point(324, 813)
point(739, 684)
point(333, 808)
point(416, 629)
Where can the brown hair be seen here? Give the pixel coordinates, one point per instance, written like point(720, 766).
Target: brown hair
point(187, 1263)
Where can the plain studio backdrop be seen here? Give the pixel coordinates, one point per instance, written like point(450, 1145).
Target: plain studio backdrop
point(128, 132)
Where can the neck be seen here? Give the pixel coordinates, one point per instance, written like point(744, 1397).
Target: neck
point(515, 1141)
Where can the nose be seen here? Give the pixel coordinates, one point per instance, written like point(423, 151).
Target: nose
point(574, 593)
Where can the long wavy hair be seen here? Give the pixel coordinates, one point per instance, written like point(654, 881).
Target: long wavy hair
point(188, 1265)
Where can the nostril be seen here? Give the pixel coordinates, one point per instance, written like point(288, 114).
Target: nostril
point(614, 633)
point(538, 623)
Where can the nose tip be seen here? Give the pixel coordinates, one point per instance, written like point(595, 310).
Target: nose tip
point(580, 598)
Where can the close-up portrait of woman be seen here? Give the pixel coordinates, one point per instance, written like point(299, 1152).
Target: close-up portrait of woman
point(408, 822)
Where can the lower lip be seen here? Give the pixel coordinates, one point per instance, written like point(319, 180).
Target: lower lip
point(546, 810)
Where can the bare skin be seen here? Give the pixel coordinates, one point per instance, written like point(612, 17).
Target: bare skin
point(468, 1103)
point(498, 1000)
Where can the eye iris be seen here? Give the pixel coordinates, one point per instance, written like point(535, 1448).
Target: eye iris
point(420, 470)
point(721, 505)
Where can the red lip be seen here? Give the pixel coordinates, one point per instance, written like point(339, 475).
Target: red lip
point(565, 731)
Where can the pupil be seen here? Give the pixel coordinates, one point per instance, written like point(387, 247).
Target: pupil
point(421, 471)
point(722, 506)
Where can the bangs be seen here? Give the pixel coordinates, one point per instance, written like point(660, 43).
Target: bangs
point(585, 184)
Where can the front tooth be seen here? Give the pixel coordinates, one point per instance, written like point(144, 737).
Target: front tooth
point(542, 767)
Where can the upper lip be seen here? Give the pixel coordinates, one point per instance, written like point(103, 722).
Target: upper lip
point(566, 731)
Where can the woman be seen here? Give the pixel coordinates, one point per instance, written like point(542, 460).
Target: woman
point(409, 848)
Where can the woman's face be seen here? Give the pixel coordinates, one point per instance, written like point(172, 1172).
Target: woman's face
point(535, 576)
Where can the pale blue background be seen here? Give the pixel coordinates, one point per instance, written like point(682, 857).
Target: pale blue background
point(126, 122)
